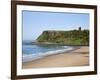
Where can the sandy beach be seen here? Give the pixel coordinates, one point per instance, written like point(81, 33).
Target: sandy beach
point(78, 57)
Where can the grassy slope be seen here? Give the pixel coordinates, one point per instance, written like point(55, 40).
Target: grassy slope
point(73, 37)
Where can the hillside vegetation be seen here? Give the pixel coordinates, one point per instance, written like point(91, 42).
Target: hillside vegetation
point(72, 37)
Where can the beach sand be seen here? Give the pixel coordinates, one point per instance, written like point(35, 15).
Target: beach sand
point(78, 57)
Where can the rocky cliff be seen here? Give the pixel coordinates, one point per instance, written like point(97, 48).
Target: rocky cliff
point(72, 37)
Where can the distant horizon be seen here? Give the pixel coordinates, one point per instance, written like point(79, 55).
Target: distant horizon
point(34, 23)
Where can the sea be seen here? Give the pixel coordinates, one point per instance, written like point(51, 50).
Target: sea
point(31, 50)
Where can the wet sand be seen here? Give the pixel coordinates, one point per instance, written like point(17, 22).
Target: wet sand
point(78, 57)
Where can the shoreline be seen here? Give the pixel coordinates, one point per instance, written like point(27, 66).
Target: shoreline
point(76, 57)
point(27, 58)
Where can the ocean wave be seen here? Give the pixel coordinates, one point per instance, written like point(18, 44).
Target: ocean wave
point(30, 57)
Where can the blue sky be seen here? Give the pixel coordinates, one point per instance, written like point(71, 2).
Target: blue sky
point(34, 23)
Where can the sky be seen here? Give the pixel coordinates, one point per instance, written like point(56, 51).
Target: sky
point(35, 22)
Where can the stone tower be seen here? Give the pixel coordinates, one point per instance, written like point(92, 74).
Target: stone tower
point(79, 28)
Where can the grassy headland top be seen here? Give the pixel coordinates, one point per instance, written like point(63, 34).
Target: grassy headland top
point(72, 37)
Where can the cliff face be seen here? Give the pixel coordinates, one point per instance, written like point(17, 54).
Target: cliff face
point(73, 37)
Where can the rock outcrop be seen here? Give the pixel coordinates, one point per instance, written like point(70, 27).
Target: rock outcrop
point(72, 37)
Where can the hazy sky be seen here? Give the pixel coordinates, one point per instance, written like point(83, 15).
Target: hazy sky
point(34, 23)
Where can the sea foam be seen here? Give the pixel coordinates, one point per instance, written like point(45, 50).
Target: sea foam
point(31, 57)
